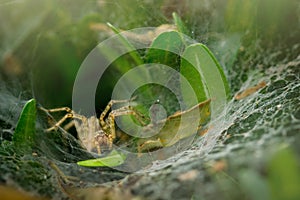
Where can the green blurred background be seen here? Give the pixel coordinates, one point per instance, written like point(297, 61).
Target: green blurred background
point(43, 43)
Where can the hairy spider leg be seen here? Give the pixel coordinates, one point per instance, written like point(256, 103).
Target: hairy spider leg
point(102, 122)
point(109, 125)
point(70, 114)
point(106, 110)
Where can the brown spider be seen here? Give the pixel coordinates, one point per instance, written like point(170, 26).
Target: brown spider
point(95, 133)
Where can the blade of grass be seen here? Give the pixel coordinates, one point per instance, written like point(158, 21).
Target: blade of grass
point(179, 23)
point(133, 53)
point(24, 134)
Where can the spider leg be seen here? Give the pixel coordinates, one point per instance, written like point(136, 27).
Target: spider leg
point(129, 110)
point(72, 123)
point(67, 116)
point(69, 125)
point(97, 144)
point(111, 139)
point(48, 111)
point(126, 110)
point(67, 109)
point(70, 114)
point(108, 107)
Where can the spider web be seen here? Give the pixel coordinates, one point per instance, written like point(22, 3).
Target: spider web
point(148, 8)
point(266, 118)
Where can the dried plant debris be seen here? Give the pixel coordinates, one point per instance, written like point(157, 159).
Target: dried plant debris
point(247, 92)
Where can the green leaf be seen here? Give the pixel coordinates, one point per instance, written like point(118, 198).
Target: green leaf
point(23, 137)
point(113, 159)
point(179, 23)
point(165, 49)
point(133, 53)
point(201, 69)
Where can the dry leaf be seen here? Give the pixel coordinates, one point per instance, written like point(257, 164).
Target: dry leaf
point(249, 91)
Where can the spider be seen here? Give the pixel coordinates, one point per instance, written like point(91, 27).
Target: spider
point(95, 133)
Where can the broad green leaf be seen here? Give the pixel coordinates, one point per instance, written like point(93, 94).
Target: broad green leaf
point(113, 159)
point(165, 49)
point(201, 69)
point(23, 137)
point(284, 175)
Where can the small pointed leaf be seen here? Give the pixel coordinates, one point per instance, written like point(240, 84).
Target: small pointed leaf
point(23, 137)
point(113, 159)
